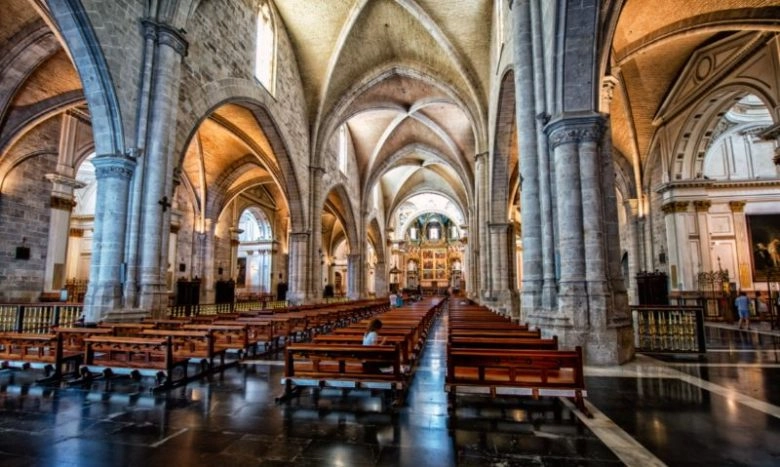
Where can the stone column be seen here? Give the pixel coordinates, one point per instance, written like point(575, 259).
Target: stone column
point(380, 279)
point(104, 294)
point(525, 109)
point(502, 248)
point(635, 256)
point(315, 284)
point(482, 280)
point(702, 207)
point(298, 271)
point(744, 255)
point(677, 240)
point(62, 204)
point(590, 313)
point(234, 242)
point(159, 159)
point(572, 294)
point(354, 275)
point(207, 278)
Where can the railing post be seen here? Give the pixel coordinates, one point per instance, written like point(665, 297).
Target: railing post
point(19, 318)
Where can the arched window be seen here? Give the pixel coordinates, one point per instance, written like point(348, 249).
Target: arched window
point(265, 47)
point(343, 149)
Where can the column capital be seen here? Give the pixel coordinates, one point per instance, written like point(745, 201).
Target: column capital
point(675, 207)
point(63, 204)
point(770, 133)
point(586, 128)
point(480, 156)
point(299, 236)
point(608, 84)
point(702, 205)
point(74, 232)
point(737, 206)
point(497, 226)
point(165, 35)
point(113, 166)
point(315, 169)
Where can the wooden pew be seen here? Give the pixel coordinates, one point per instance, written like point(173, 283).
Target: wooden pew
point(508, 343)
point(344, 367)
point(502, 372)
point(136, 356)
point(43, 350)
point(192, 344)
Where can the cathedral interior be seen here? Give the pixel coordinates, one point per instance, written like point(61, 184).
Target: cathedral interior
point(562, 163)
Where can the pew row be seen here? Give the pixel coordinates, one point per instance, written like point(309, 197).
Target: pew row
point(344, 367)
point(515, 372)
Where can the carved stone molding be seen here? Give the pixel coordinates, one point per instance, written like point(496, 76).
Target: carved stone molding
point(74, 232)
point(63, 204)
point(175, 228)
point(65, 180)
point(737, 206)
point(702, 205)
point(674, 207)
point(112, 166)
point(575, 130)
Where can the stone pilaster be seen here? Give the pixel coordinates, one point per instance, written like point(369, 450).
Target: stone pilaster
point(62, 205)
point(298, 255)
point(744, 255)
point(104, 293)
point(160, 161)
point(702, 207)
point(677, 240)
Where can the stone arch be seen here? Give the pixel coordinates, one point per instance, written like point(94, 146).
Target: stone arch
point(82, 42)
point(699, 124)
point(345, 214)
point(375, 237)
point(341, 110)
point(505, 128)
point(249, 95)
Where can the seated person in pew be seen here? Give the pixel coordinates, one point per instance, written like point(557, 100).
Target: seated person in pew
point(371, 337)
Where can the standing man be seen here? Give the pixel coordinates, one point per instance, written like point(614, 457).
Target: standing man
point(743, 309)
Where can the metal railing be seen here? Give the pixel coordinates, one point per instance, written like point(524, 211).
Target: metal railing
point(37, 318)
point(668, 329)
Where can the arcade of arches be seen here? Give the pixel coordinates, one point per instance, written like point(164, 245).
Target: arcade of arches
point(531, 155)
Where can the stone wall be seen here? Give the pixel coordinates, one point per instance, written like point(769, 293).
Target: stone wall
point(24, 220)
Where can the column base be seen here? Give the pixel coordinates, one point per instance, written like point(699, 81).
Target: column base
point(153, 298)
point(103, 299)
point(133, 315)
point(507, 303)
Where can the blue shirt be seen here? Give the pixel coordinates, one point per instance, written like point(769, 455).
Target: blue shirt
point(370, 338)
point(742, 303)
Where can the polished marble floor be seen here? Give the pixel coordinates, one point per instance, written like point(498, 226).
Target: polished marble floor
point(721, 409)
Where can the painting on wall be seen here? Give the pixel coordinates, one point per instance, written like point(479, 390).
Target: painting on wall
point(764, 234)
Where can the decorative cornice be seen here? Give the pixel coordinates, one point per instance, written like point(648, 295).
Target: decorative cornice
point(702, 205)
point(737, 206)
point(675, 207)
point(770, 133)
point(65, 180)
point(63, 204)
point(113, 166)
point(574, 130)
point(716, 184)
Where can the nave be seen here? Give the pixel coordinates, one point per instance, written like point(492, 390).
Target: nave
point(719, 410)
